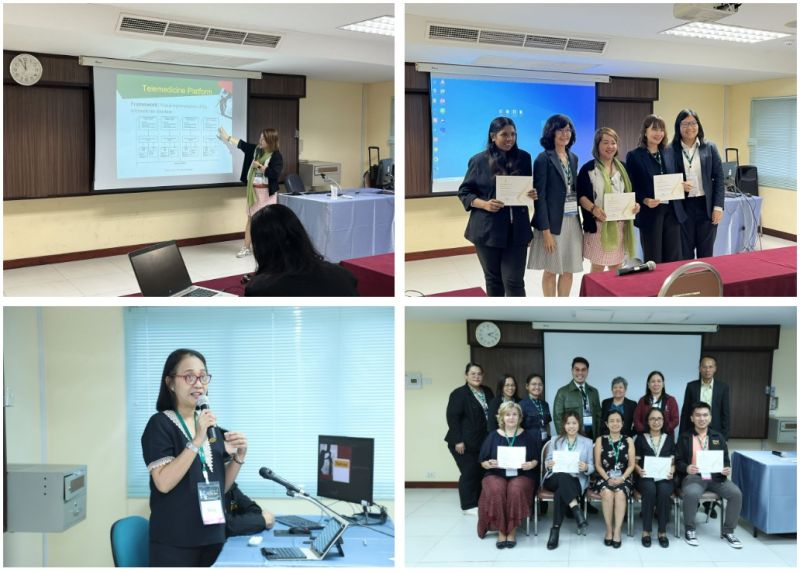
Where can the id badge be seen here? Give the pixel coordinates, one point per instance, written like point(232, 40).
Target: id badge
point(587, 421)
point(614, 474)
point(512, 472)
point(544, 436)
point(210, 498)
point(705, 476)
point(695, 185)
point(571, 206)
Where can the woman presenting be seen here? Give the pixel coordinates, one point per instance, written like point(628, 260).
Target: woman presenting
point(262, 161)
point(188, 473)
point(500, 234)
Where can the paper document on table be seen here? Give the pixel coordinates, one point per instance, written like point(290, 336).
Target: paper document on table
point(619, 206)
point(668, 187)
point(512, 191)
point(657, 468)
point(510, 457)
point(566, 461)
point(710, 461)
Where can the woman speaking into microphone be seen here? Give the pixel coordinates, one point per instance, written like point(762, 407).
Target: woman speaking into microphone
point(188, 474)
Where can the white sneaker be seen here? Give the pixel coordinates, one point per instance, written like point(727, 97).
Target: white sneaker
point(471, 511)
point(733, 542)
point(690, 536)
point(243, 252)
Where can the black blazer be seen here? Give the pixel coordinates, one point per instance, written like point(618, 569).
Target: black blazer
point(242, 514)
point(720, 408)
point(683, 454)
point(494, 407)
point(643, 449)
point(711, 170)
point(494, 229)
point(641, 167)
point(627, 416)
point(466, 422)
point(273, 170)
point(329, 280)
point(551, 187)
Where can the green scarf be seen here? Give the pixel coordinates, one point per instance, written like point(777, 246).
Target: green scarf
point(609, 237)
point(251, 174)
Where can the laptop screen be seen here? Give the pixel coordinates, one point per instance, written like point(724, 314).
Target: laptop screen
point(327, 537)
point(729, 172)
point(160, 269)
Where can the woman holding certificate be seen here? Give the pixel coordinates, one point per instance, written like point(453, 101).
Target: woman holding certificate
point(655, 489)
point(500, 233)
point(607, 224)
point(658, 221)
point(701, 165)
point(569, 464)
point(557, 247)
point(509, 455)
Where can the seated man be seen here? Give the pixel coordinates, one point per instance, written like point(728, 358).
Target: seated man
point(243, 515)
point(694, 484)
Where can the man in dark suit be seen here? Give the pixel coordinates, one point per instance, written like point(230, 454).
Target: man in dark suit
point(718, 395)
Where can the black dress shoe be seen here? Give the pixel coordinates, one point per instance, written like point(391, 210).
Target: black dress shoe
point(647, 541)
point(580, 520)
point(511, 543)
point(500, 544)
point(607, 541)
point(663, 541)
point(616, 543)
point(552, 542)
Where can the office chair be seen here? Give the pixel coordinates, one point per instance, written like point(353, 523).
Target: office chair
point(692, 279)
point(294, 184)
point(130, 542)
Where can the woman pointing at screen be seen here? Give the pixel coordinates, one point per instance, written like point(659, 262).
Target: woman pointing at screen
point(263, 164)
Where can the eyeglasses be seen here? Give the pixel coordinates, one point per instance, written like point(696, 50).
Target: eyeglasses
point(564, 131)
point(191, 378)
point(689, 124)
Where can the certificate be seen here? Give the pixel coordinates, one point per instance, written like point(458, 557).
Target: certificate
point(566, 461)
point(668, 187)
point(619, 206)
point(512, 191)
point(710, 462)
point(657, 468)
point(510, 457)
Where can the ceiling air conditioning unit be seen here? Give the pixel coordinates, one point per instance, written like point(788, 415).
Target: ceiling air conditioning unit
point(704, 12)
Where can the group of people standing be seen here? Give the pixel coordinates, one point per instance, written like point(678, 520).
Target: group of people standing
point(611, 438)
point(569, 223)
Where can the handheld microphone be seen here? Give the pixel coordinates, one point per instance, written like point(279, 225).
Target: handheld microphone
point(202, 405)
point(646, 267)
point(270, 475)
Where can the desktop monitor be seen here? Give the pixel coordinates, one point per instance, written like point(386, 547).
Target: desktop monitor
point(345, 468)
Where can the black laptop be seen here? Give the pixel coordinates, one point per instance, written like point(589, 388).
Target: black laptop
point(160, 271)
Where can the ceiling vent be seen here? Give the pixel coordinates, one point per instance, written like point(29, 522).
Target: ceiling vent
point(509, 38)
point(168, 29)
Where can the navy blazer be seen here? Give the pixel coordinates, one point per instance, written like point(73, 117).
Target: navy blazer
point(710, 169)
point(484, 227)
point(641, 168)
point(551, 187)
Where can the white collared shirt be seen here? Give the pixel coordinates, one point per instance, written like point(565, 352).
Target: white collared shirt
point(692, 168)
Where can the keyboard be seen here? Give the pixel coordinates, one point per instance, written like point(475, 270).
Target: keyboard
point(291, 520)
point(283, 553)
point(203, 292)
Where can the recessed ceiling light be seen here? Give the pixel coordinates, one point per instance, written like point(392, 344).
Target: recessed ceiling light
point(383, 25)
point(710, 31)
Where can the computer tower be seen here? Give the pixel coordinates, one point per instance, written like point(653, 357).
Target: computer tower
point(748, 179)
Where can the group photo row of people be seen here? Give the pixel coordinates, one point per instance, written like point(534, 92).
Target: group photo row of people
point(569, 222)
point(612, 441)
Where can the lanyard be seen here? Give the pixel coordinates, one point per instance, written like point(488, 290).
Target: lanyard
point(572, 447)
point(616, 446)
point(482, 400)
point(704, 443)
point(657, 157)
point(690, 159)
point(510, 442)
point(584, 397)
point(200, 453)
point(539, 408)
point(567, 170)
point(656, 448)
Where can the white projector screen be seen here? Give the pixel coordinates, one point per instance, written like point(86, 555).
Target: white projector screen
point(631, 356)
point(155, 130)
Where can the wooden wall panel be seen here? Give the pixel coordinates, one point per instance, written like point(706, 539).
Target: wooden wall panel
point(283, 115)
point(624, 117)
point(629, 88)
point(56, 70)
point(274, 85)
point(418, 145)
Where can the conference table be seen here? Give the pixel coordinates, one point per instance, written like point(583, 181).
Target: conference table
point(769, 490)
point(362, 546)
point(763, 273)
point(375, 274)
point(358, 223)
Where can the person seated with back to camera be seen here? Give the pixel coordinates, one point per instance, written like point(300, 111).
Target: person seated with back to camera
point(243, 515)
point(287, 264)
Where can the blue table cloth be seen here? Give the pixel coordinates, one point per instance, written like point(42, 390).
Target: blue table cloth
point(360, 224)
point(362, 546)
point(769, 490)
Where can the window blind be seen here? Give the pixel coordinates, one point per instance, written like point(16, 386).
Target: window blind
point(282, 376)
point(773, 141)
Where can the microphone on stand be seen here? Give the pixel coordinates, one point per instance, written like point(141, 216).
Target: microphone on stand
point(202, 405)
point(646, 267)
point(270, 475)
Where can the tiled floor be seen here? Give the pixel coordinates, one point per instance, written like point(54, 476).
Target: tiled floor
point(439, 535)
point(113, 276)
point(459, 272)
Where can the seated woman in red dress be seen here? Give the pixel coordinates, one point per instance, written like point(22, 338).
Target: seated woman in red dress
point(507, 492)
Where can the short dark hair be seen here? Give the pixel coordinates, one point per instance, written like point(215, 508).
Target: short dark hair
point(611, 412)
point(650, 121)
point(472, 364)
point(281, 245)
point(562, 432)
point(580, 359)
point(531, 376)
point(700, 405)
point(553, 124)
point(706, 356)
point(683, 114)
point(648, 394)
point(502, 383)
point(166, 397)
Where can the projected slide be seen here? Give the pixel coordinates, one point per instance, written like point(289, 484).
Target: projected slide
point(461, 110)
point(168, 126)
